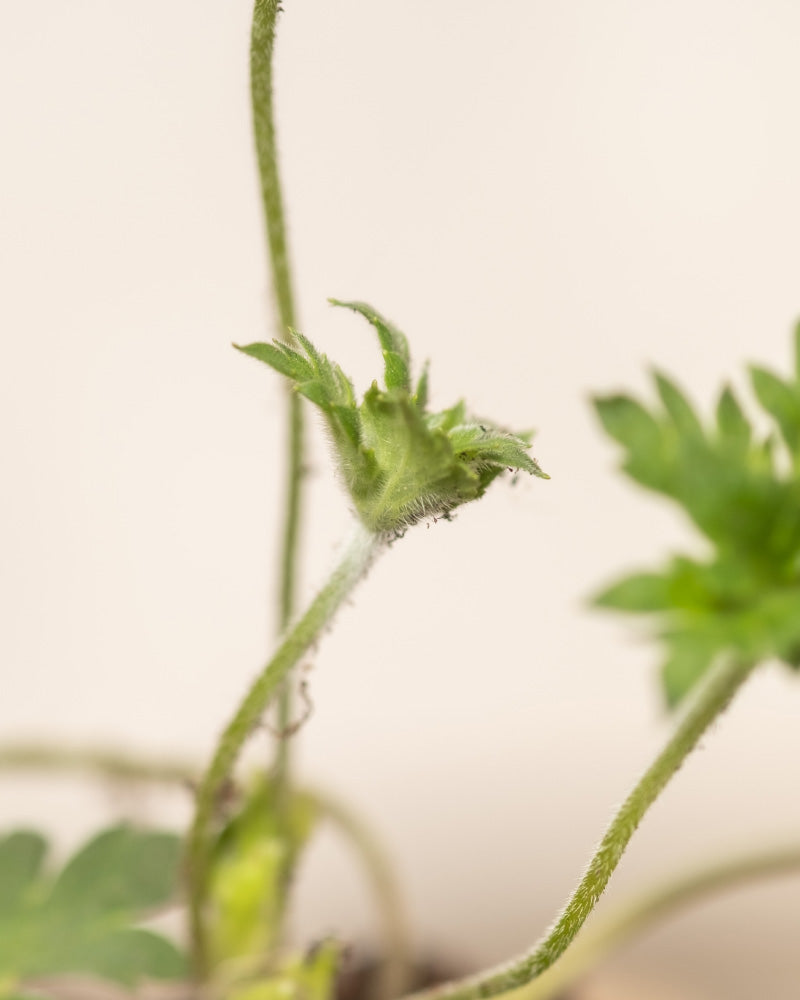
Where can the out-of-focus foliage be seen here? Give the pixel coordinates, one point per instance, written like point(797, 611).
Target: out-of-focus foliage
point(254, 856)
point(83, 919)
point(742, 491)
point(310, 977)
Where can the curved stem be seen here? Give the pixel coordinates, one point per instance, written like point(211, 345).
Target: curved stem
point(305, 633)
point(712, 699)
point(396, 939)
point(262, 43)
point(636, 916)
point(102, 762)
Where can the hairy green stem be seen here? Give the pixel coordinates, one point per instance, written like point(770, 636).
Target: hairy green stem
point(713, 698)
point(297, 641)
point(633, 918)
point(262, 43)
point(396, 939)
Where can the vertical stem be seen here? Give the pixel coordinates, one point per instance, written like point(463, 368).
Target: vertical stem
point(297, 641)
point(262, 41)
point(712, 699)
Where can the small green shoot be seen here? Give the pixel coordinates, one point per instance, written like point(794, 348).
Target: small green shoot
point(399, 462)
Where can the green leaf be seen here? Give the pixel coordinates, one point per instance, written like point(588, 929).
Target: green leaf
point(743, 598)
point(733, 426)
point(648, 458)
point(397, 374)
point(639, 592)
point(122, 870)
point(122, 956)
point(129, 955)
point(686, 663)
point(628, 422)
point(480, 444)
point(82, 920)
point(421, 392)
point(781, 401)
point(678, 406)
point(283, 359)
point(21, 857)
point(446, 420)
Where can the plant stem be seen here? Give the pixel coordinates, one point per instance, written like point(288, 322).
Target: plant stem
point(297, 641)
point(262, 43)
point(633, 918)
point(105, 763)
point(396, 949)
point(713, 698)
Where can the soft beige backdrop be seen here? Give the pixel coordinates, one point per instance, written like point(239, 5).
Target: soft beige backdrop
point(547, 198)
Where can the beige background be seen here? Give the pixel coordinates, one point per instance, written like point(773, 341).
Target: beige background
point(547, 197)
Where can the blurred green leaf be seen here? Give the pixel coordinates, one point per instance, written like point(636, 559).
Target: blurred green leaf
point(687, 660)
point(81, 920)
point(781, 400)
point(640, 592)
point(743, 599)
point(21, 857)
point(678, 407)
point(122, 870)
point(732, 424)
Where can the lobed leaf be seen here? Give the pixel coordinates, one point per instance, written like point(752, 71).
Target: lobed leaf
point(744, 599)
point(82, 920)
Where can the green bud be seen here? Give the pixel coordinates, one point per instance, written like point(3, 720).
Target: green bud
point(399, 462)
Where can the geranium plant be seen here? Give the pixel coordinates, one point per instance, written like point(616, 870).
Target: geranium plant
point(401, 462)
